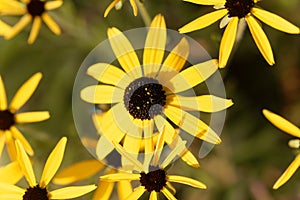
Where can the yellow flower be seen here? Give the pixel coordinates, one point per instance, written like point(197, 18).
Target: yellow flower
point(86, 169)
point(233, 12)
point(4, 28)
point(9, 116)
point(32, 10)
point(118, 5)
point(153, 177)
point(142, 95)
point(40, 190)
point(293, 130)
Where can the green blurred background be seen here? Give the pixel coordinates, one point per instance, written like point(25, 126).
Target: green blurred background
point(253, 153)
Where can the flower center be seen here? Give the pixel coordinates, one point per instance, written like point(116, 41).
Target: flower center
point(144, 98)
point(36, 193)
point(7, 120)
point(239, 8)
point(154, 180)
point(36, 8)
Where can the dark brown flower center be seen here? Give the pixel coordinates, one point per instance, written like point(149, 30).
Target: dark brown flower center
point(36, 8)
point(36, 193)
point(239, 8)
point(144, 98)
point(7, 120)
point(154, 180)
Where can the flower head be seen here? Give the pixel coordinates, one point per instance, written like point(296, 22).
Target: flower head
point(10, 117)
point(40, 190)
point(118, 5)
point(233, 12)
point(293, 130)
point(32, 10)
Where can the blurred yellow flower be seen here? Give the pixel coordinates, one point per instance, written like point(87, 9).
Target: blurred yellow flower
point(118, 5)
point(32, 10)
point(9, 117)
point(234, 12)
point(293, 130)
point(40, 190)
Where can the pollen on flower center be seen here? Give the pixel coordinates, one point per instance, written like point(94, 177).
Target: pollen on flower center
point(36, 8)
point(144, 98)
point(154, 180)
point(36, 193)
point(239, 8)
point(7, 120)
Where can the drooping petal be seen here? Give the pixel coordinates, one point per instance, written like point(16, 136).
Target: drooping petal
point(178, 150)
point(71, 192)
point(29, 117)
point(186, 181)
point(161, 140)
point(124, 189)
point(288, 173)
point(19, 26)
point(37, 22)
point(260, 39)
point(53, 162)
point(16, 134)
point(275, 21)
point(153, 195)
point(207, 2)
point(111, 6)
point(10, 145)
point(192, 76)
point(3, 98)
point(25, 92)
point(52, 25)
point(11, 173)
point(224, 21)
point(282, 123)
point(134, 7)
point(8, 189)
point(77, 172)
point(120, 177)
point(190, 159)
point(137, 193)
point(104, 190)
point(227, 41)
point(203, 21)
point(168, 194)
point(51, 5)
point(2, 142)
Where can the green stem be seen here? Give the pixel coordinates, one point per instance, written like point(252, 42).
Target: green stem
point(144, 13)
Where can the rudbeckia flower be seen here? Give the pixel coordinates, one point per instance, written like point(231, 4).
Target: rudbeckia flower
point(10, 117)
point(88, 168)
point(293, 130)
point(40, 190)
point(234, 11)
point(31, 10)
point(118, 5)
point(145, 97)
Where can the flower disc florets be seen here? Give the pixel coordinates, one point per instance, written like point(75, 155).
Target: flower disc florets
point(239, 8)
point(36, 8)
point(36, 193)
point(7, 120)
point(154, 180)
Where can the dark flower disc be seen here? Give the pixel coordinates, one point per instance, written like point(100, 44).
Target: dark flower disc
point(154, 180)
point(36, 8)
point(7, 120)
point(239, 8)
point(36, 193)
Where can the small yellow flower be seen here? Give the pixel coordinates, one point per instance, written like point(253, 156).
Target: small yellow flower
point(118, 5)
point(9, 116)
point(233, 12)
point(293, 130)
point(86, 169)
point(40, 190)
point(32, 10)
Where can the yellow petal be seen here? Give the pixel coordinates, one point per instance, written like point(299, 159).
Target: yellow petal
point(124, 189)
point(29, 117)
point(12, 8)
point(134, 7)
point(227, 41)
point(124, 52)
point(2, 142)
point(78, 172)
point(260, 39)
point(10, 145)
point(18, 135)
point(170, 187)
point(186, 181)
point(137, 193)
point(25, 164)
point(11, 173)
point(120, 177)
point(288, 173)
point(204, 103)
point(71, 192)
point(111, 6)
point(275, 21)
point(168, 194)
point(192, 76)
point(104, 147)
point(103, 191)
point(11, 196)
point(203, 21)
point(207, 2)
point(161, 139)
point(25, 92)
point(282, 123)
point(153, 195)
point(19, 26)
point(51, 24)
point(37, 22)
point(102, 94)
point(3, 99)
point(190, 159)
point(178, 150)
point(109, 74)
point(51, 5)
point(132, 146)
point(9, 189)
point(53, 162)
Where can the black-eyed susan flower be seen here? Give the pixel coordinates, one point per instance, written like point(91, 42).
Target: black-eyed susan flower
point(153, 177)
point(40, 190)
point(118, 5)
point(234, 11)
point(88, 168)
point(10, 117)
point(293, 130)
point(31, 10)
point(143, 96)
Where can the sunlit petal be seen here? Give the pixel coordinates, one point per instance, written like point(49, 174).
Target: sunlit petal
point(2, 142)
point(19, 26)
point(153, 195)
point(10, 145)
point(134, 7)
point(29, 117)
point(37, 22)
point(11, 173)
point(51, 24)
point(71, 192)
point(207, 2)
point(186, 180)
point(103, 191)
point(124, 189)
point(120, 177)
point(51, 5)
point(110, 7)
point(132, 146)
point(18, 135)
point(3, 98)
point(168, 194)
point(9, 189)
point(137, 193)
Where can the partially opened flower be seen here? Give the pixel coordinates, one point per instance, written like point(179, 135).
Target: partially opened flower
point(234, 11)
point(10, 117)
point(40, 190)
point(144, 98)
point(86, 169)
point(31, 10)
point(293, 130)
point(118, 5)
